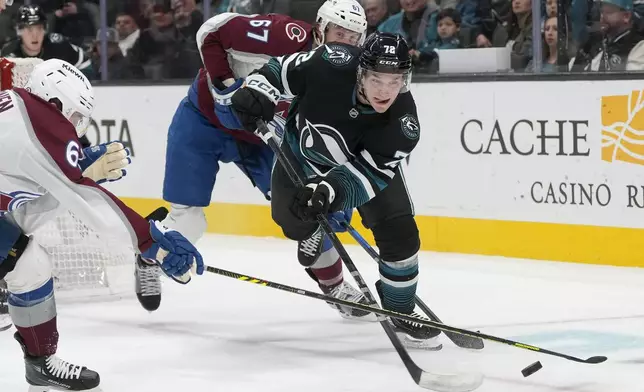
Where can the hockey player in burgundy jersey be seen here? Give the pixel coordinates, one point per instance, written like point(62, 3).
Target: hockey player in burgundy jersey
point(206, 132)
point(349, 133)
point(40, 128)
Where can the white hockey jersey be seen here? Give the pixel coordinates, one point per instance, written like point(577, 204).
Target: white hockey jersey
point(40, 177)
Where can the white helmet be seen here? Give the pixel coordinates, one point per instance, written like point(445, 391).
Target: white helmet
point(59, 82)
point(344, 13)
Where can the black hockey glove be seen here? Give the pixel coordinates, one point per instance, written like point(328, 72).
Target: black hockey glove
point(256, 100)
point(12, 244)
point(312, 200)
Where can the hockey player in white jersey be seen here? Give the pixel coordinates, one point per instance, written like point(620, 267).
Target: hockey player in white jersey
point(41, 155)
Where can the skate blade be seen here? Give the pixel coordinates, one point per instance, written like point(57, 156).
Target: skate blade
point(369, 318)
point(35, 388)
point(428, 344)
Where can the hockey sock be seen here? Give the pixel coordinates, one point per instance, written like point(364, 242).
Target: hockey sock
point(34, 315)
point(328, 267)
point(399, 280)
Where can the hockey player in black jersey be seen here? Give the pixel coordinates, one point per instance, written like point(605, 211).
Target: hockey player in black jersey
point(351, 124)
point(33, 40)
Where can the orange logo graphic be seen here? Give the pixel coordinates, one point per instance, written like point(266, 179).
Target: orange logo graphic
point(623, 128)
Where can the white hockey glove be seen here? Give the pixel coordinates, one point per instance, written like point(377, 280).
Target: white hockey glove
point(176, 256)
point(105, 162)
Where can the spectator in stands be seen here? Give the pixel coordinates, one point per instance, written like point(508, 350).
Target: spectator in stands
point(617, 47)
point(471, 23)
point(187, 17)
point(174, 55)
point(7, 31)
point(33, 40)
point(551, 8)
point(550, 45)
point(136, 45)
point(118, 66)
point(417, 24)
point(492, 14)
point(128, 32)
point(449, 25)
point(377, 12)
point(467, 9)
point(516, 33)
point(73, 20)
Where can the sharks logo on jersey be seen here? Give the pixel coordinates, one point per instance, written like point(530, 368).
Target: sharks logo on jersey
point(324, 147)
point(13, 200)
point(337, 55)
point(410, 127)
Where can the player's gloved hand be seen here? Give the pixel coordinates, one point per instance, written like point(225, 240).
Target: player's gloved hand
point(105, 162)
point(176, 256)
point(223, 104)
point(338, 219)
point(256, 100)
point(313, 199)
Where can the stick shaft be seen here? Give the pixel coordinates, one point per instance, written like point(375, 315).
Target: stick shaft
point(459, 340)
point(385, 312)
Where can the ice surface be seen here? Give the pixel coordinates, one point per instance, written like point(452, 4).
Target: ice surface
point(219, 334)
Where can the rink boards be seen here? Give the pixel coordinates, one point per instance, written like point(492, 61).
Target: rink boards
point(543, 170)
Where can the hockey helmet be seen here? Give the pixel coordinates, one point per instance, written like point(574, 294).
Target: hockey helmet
point(29, 15)
point(58, 82)
point(386, 53)
point(348, 14)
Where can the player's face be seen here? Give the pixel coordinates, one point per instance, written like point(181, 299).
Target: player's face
point(341, 35)
point(33, 37)
point(381, 89)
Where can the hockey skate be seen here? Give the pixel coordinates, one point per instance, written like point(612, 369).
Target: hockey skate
point(346, 292)
point(147, 277)
point(5, 318)
point(52, 373)
point(310, 249)
point(414, 335)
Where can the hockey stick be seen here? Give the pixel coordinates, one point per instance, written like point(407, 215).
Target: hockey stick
point(389, 313)
point(424, 379)
point(269, 138)
point(463, 341)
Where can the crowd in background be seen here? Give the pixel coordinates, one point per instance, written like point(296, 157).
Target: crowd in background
point(155, 39)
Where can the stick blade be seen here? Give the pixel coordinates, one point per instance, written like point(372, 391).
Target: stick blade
point(460, 382)
point(597, 359)
point(464, 341)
